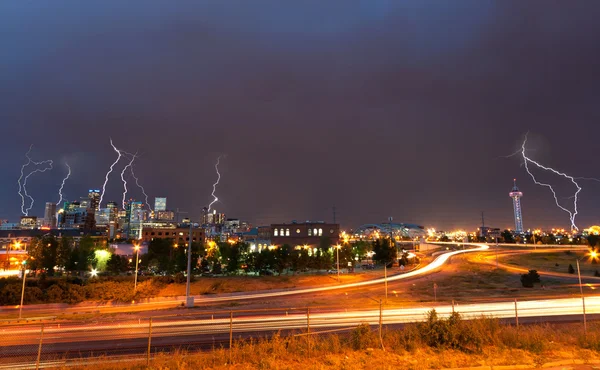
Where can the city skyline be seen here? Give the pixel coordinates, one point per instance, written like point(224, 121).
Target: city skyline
point(387, 109)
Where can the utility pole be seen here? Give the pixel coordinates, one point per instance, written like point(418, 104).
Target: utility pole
point(189, 300)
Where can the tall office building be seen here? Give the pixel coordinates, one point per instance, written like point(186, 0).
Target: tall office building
point(160, 204)
point(516, 195)
point(50, 215)
point(113, 208)
point(94, 199)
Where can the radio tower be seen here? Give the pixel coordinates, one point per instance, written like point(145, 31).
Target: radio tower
point(516, 195)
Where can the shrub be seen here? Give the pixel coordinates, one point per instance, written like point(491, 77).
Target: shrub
point(362, 337)
point(54, 294)
point(75, 294)
point(10, 294)
point(32, 295)
point(180, 278)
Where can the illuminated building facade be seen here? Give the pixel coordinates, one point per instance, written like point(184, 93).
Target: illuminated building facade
point(93, 199)
point(180, 235)
point(28, 222)
point(516, 195)
point(307, 233)
point(160, 204)
point(50, 215)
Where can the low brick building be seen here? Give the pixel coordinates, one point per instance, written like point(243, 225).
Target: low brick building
point(179, 235)
point(306, 233)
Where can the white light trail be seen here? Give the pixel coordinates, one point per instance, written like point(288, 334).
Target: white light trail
point(137, 182)
point(527, 160)
point(63, 184)
point(215, 184)
point(133, 157)
point(109, 171)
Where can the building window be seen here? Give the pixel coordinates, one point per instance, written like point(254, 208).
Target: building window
point(331, 231)
point(275, 233)
point(287, 232)
point(320, 232)
point(180, 233)
point(309, 232)
point(281, 232)
point(160, 233)
point(297, 231)
point(315, 233)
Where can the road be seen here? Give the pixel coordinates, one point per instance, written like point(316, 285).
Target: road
point(20, 343)
point(40, 311)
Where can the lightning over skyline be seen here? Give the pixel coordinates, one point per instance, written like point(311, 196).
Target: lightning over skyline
point(21, 177)
point(112, 166)
point(137, 182)
point(63, 184)
point(23, 186)
point(215, 184)
point(133, 157)
point(527, 160)
point(49, 167)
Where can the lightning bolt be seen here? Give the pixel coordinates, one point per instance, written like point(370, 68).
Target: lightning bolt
point(63, 184)
point(21, 178)
point(137, 182)
point(23, 187)
point(528, 160)
point(215, 184)
point(109, 172)
point(133, 157)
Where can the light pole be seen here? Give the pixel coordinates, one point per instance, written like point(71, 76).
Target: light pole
point(137, 260)
point(189, 300)
point(337, 251)
point(23, 288)
point(593, 254)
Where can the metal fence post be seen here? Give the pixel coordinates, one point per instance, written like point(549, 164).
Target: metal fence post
point(230, 329)
point(230, 334)
point(516, 314)
point(381, 324)
point(149, 340)
point(39, 356)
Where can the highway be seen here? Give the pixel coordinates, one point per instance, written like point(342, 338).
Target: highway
point(19, 343)
point(436, 264)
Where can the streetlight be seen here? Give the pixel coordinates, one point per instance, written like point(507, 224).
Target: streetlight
point(23, 288)
point(337, 250)
point(189, 300)
point(137, 260)
point(593, 255)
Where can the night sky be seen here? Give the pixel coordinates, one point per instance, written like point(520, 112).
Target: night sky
point(379, 107)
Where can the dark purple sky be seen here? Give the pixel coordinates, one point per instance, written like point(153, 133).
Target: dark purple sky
point(382, 108)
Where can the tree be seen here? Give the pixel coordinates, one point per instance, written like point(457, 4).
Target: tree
point(530, 278)
point(63, 253)
point(82, 255)
point(282, 258)
point(571, 270)
point(160, 250)
point(507, 236)
point(117, 264)
point(384, 251)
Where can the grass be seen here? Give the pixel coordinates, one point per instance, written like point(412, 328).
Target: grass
point(434, 344)
point(233, 284)
point(553, 262)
